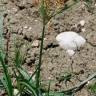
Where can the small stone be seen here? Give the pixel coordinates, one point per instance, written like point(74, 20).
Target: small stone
point(36, 20)
point(28, 60)
point(16, 92)
point(13, 21)
point(25, 27)
point(20, 30)
point(14, 9)
point(30, 28)
point(55, 22)
point(82, 22)
point(70, 52)
point(35, 43)
point(83, 29)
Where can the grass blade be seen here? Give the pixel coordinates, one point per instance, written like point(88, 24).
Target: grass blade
point(29, 86)
point(7, 79)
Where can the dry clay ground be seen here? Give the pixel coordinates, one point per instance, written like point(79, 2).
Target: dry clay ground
point(23, 22)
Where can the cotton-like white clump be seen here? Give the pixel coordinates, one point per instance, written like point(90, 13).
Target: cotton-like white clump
point(70, 41)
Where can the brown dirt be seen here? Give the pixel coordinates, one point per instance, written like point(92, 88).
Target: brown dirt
point(23, 21)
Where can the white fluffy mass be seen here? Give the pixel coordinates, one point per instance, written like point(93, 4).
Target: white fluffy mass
point(70, 41)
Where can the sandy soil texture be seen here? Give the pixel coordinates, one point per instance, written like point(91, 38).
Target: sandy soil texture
point(22, 20)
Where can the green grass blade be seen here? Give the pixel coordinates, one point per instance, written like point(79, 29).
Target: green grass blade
point(7, 79)
point(26, 76)
point(18, 58)
point(52, 93)
point(1, 84)
point(48, 89)
point(29, 86)
point(93, 88)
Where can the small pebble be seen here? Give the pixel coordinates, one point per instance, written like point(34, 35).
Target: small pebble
point(25, 27)
point(83, 29)
point(70, 52)
point(30, 28)
point(82, 22)
point(35, 43)
point(16, 92)
point(35, 20)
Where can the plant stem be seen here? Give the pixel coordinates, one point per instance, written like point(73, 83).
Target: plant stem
point(41, 46)
point(80, 85)
point(7, 46)
point(40, 62)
